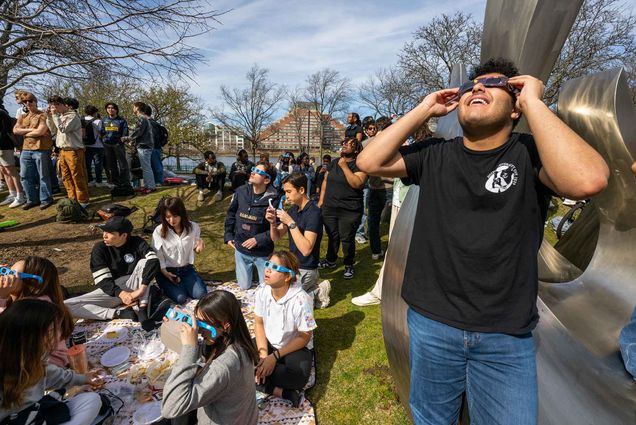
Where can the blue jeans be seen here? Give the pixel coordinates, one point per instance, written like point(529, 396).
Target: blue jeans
point(190, 286)
point(365, 200)
point(35, 170)
point(95, 155)
point(244, 266)
point(157, 166)
point(145, 157)
point(497, 372)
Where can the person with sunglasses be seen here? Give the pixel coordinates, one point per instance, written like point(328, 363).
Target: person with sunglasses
point(284, 325)
point(221, 388)
point(246, 229)
point(471, 277)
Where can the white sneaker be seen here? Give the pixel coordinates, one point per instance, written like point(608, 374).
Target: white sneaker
point(360, 238)
point(102, 184)
point(365, 300)
point(92, 184)
point(17, 202)
point(218, 196)
point(201, 197)
point(8, 200)
point(324, 288)
point(377, 256)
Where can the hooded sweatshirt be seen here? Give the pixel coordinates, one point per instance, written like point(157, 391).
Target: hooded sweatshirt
point(67, 129)
point(283, 319)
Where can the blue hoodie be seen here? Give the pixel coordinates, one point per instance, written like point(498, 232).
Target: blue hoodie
point(113, 129)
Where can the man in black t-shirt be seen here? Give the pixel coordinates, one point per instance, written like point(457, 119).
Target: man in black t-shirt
point(471, 274)
point(123, 267)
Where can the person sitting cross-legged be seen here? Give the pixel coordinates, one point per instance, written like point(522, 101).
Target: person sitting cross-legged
point(123, 267)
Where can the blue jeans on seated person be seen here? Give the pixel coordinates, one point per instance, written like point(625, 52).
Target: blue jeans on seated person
point(244, 266)
point(190, 286)
point(497, 372)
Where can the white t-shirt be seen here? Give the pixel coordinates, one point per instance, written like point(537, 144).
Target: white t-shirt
point(283, 319)
point(175, 250)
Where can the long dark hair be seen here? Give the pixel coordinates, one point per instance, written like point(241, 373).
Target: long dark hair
point(220, 307)
point(50, 287)
point(25, 338)
point(174, 206)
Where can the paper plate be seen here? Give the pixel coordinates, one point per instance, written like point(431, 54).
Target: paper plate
point(147, 413)
point(113, 334)
point(114, 356)
point(151, 351)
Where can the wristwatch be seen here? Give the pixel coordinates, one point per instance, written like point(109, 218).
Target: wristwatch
point(292, 226)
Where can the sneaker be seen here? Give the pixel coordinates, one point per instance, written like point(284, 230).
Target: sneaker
point(348, 272)
point(323, 264)
point(126, 313)
point(29, 205)
point(92, 184)
point(365, 300)
point(377, 256)
point(218, 196)
point(45, 205)
point(9, 199)
point(200, 197)
point(360, 238)
point(324, 288)
point(295, 396)
point(101, 184)
point(17, 202)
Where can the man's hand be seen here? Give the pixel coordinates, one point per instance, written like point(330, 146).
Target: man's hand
point(531, 90)
point(8, 285)
point(173, 278)
point(284, 217)
point(265, 367)
point(441, 102)
point(270, 215)
point(342, 162)
point(188, 333)
point(231, 244)
point(126, 297)
point(199, 246)
point(250, 243)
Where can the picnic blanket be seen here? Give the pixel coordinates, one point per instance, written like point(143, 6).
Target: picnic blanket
point(143, 381)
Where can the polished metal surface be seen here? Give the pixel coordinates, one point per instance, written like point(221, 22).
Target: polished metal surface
point(448, 127)
point(582, 379)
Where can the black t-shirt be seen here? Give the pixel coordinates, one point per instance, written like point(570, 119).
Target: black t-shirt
point(309, 219)
point(352, 130)
point(338, 193)
point(472, 263)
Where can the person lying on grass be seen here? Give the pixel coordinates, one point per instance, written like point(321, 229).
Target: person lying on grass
point(16, 287)
point(29, 331)
point(221, 387)
point(283, 327)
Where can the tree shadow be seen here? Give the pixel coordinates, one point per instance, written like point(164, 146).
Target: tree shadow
point(336, 334)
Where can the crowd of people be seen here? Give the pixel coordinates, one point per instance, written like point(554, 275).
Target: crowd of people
point(470, 281)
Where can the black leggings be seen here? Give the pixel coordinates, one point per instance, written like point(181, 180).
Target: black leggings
point(291, 372)
point(341, 226)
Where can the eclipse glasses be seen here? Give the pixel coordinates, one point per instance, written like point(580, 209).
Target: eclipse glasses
point(273, 266)
point(501, 82)
point(178, 316)
point(6, 271)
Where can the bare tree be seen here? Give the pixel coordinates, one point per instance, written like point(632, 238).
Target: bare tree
point(388, 91)
point(298, 112)
point(252, 108)
point(70, 39)
point(428, 59)
point(330, 94)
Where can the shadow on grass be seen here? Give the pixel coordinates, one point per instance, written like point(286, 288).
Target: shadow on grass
point(336, 334)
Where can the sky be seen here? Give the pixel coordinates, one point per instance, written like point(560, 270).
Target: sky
point(295, 38)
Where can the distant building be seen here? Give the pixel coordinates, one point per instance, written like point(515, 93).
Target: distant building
point(301, 126)
point(224, 139)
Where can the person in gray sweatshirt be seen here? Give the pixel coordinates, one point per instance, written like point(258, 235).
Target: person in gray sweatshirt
point(216, 378)
point(28, 332)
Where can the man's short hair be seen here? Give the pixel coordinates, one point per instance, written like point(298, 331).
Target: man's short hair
point(148, 110)
point(28, 96)
point(71, 102)
point(113, 104)
point(367, 121)
point(140, 106)
point(55, 99)
point(297, 180)
point(208, 154)
point(382, 123)
point(91, 110)
point(269, 169)
point(326, 157)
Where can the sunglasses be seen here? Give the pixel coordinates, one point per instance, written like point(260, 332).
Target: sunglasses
point(261, 172)
point(274, 266)
point(29, 101)
point(6, 271)
point(185, 318)
point(500, 82)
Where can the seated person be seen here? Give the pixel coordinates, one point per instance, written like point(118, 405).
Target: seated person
point(175, 241)
point(210, 174)
point(284, 322)
point(14, 288)
point(26, 330)
point(222, 388)
point(123, 266)
point(240, 170)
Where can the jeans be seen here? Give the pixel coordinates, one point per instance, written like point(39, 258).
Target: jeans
point(190, 286)
point(117, 164)
point(363, 221)
point(157, 166)
point(244, 266)
point(341, 226)
point(497, 372)
point(378, 198)
point(291, 371)
point(145, 157)
point(95, 155)
point(35, 170)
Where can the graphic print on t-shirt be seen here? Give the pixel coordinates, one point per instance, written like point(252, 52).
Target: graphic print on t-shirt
point(502, 178)
point(129, 258)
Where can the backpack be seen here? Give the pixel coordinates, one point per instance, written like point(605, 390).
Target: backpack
point(70, 211)
point(159, 134)
point(88, 132)
point(154, 220)
point(111, 210)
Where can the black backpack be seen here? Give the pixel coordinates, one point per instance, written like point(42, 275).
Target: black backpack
point(159, 134)
point(154, 220)
point(111, 210)
point(88, 132)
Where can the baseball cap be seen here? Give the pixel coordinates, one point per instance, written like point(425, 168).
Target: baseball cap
point(117, 224)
